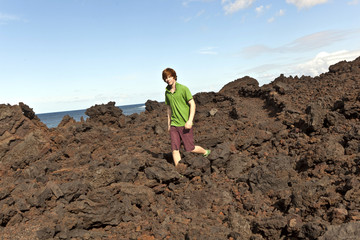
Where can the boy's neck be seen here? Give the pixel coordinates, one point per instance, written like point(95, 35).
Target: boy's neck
point(172, 87)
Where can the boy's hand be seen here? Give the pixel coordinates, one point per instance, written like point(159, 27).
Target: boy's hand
point(188, 125)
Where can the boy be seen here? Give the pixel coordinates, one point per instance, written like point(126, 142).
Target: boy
point(180, 112)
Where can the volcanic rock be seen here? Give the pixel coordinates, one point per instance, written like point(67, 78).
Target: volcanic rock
point(285, 164)
point(106, 114)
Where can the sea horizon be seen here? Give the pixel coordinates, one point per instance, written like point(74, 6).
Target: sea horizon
point(87, 108)
point(52, 119)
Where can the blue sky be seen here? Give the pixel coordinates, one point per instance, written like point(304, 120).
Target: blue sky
point(58, 55)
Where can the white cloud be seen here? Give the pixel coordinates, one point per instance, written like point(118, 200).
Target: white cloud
point(208, 51)
point(259, 10)
point(306, 3)
point(264, 73)
point(318, 40)
point(280, 13)
point(354, 2)
point(270, 20)
point(196, 16)
point(256, 50)
point(5, 18)
point(186, 2)
point(236, 5)
point(321, 62)
point(188, 19)
point(200, 13)
point(306, 43)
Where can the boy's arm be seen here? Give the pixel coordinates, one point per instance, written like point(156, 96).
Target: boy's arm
point(168, 110)
point(189, 123)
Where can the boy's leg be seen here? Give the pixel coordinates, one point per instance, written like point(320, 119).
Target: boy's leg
point(176, 157)
point(175, 144)
point(199, 149)
point(188, 140)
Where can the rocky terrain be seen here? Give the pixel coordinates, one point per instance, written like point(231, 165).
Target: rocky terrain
point(285, 164)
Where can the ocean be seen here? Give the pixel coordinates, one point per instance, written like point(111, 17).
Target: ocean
point(52, 120)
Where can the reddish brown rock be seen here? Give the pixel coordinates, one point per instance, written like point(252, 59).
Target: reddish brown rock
point(285, 164)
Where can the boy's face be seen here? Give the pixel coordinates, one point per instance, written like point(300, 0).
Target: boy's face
point(170, 80)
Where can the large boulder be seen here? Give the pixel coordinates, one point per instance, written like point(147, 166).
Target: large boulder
point(106, 114)
point(245, 86)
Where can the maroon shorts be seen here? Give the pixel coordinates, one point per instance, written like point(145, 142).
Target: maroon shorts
point(181, 135)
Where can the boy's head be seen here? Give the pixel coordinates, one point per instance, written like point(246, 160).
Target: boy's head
point(169, 72)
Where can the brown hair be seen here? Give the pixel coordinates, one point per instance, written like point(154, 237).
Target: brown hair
point(169, 72)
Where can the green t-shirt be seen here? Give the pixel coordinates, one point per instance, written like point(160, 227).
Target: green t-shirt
point(178, 101)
